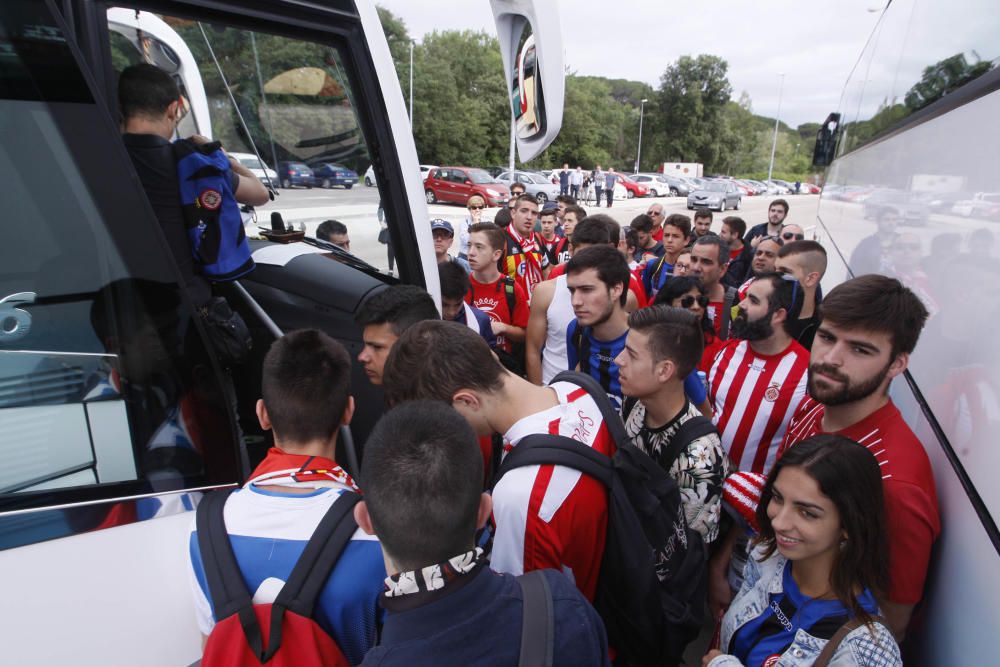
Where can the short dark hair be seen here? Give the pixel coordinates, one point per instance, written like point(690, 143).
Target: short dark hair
point(454, 280)
point(677, 287)
point(680, 221)
point(631, 238)
point(592, 230)
point(877, 303)
point(434, 359)
point(642, 223)
point(779, 202)
point(576, 209)
point(503, 218)
point(814, 252)
point(146, 90)
point(703, 213)
point(400, 306)
point(736, 224)
point(495, 235)
point(569, 200)
point(611, 267)
point(423, 474)
point(328, 228)
point(674, 334)
point(519, 186)
point(785, 294)
point(305, 384)
point(614, 231)
point(548, 213)
point(848, 474)
point(526, 198)
point(721, 246)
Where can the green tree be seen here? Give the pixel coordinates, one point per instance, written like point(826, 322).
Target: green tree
point(943, 77)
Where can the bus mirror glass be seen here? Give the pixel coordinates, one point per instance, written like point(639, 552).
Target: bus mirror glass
point(826, 141)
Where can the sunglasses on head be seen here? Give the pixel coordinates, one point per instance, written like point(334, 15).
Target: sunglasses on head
point(688, 300)
point(788, 236)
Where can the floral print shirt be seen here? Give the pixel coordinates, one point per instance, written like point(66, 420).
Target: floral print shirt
point(699, 469)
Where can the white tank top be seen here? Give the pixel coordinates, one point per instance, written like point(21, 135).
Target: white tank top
point(558, 316)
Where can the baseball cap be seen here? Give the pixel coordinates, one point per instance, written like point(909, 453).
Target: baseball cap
point(438, 223)
point(550, 206)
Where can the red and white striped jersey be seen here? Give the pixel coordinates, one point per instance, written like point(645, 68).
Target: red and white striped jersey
point(553, 516)
point(754, 397)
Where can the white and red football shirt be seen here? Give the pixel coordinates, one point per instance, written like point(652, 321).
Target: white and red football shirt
point(911, 504)
point(754, 397)
point(553, 516)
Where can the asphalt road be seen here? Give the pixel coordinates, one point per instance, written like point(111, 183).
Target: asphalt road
point(357, 209)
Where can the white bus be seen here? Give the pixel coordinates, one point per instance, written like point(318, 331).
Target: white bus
point(114, 415)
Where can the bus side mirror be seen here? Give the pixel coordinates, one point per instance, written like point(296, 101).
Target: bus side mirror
point(531, 47)
point(826, 141)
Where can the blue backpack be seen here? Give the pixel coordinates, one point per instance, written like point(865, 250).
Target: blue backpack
point(211, 212)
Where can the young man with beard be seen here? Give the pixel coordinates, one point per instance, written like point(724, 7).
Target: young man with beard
point(702, 223)
point(776, 214)
point(709, 262)
point(869, 328)
point(662, 348)
point(524, 259)
point(755, 384)
point(648, 248)
point(598, 279)
point(806, 262)
point(545, 515)
point(763, 261)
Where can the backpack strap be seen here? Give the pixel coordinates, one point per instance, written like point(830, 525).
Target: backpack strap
point(226, 588)
point(537, 622)
point(309, 576)
point(550, 449)
point(694, 428)
point(727, 312)
point(611, 416)
point(577, 342)
point(826, 655)
point(511, 295)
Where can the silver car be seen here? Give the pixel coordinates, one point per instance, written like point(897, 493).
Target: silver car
point(718, 195)
point(661, 185)
point(534, 184)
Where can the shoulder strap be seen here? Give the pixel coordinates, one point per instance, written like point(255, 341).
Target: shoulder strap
point(510, 294)
point(727, 312)
point(308, 577)
point(552, 449)
point(611, 417)
point(826, 655)
point(694, 428)
point(578, 342)
point(537, 622)
point(226, 587)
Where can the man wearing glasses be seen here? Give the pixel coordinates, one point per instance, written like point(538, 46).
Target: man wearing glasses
point(776, 214)
point(655, 212)
point(476, 204)
point(792, 232)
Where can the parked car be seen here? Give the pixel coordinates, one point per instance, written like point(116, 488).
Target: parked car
point(256, 167)
point(982, 205)
point(369, 176)
point(718, 195)
point(911, 207)
point(329, 174)
point(426, 169)
point(744, 188)
point(456, 184)
point(634, 189)
point(534, 184)
point(657, 187)
point(291, 174)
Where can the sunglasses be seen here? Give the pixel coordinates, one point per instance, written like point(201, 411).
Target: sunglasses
point(788, 236)
point(688, 300)
point(476, 208)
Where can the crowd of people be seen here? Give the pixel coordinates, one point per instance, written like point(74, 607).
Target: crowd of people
point(765, 401)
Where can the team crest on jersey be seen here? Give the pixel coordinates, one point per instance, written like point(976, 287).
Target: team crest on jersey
point(522, 268)
point(771, 393)
point(772, 660)
point(210, 199)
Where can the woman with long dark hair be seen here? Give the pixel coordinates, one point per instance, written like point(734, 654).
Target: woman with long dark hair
point(818, 565)
point(687, 292)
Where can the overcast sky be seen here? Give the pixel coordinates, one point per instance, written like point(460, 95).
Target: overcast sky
point(814, 43)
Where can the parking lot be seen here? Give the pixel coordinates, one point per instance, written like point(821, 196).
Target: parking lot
point(358, 208)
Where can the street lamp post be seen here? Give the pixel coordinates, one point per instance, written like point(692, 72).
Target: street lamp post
point(638, 150)
point(774, 143)
point(411, 84)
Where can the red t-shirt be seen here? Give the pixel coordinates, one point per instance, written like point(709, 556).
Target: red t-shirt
point(658, 233)
point(553, 516)
point(491, 298)
point(713, 344)
point(754, 397)
point(911, 505)
point(715, 314)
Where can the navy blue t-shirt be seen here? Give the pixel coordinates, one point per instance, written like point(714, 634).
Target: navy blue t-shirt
point(596, 358)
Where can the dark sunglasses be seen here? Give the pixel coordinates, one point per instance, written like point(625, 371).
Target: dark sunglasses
point(687, 301)
point(476, 208)
point(788, 236)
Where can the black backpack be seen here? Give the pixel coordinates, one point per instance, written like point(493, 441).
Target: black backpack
point(651, 590)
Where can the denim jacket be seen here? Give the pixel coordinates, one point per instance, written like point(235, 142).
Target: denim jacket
point(761, 579)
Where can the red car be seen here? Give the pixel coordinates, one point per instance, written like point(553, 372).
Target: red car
point(634, 189)
point(454, 185)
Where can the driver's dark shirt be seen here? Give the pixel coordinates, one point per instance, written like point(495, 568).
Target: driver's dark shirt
point(153, 159)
